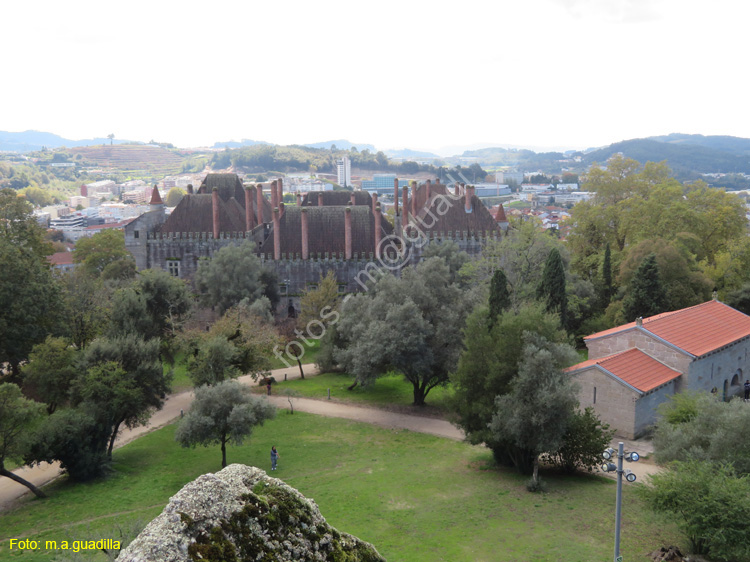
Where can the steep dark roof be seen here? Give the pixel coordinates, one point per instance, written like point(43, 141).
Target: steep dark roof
point(229, 185)
point(420, 194)
point(447, 214)
point(156, 197)
point(310, 199)
point(195, 214)
point(326, 231)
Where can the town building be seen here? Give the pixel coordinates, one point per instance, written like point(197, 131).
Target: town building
point(634, 368)
point(344, 171)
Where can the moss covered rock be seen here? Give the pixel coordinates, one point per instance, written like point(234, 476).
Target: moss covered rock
point(241, 514)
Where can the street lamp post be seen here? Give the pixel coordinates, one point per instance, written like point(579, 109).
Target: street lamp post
point(629, 476)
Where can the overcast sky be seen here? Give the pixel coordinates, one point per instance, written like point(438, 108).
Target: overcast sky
point(417, 74)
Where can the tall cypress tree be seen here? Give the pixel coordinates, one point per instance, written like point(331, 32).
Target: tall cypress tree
point(499, 295)
point(607, 275)
point(552, 286)
point(647, 295)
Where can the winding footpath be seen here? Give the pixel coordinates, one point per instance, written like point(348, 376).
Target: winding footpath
point(175, 404)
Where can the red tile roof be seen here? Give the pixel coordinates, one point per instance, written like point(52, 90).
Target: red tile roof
point(156, 197)
point(698, 330)
point(61, 258)
point(633, 367)
point(500, 215)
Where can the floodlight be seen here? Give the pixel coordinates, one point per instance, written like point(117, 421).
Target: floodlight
point(608, 453)
point(629, 476)
point(632, 457)
point(609, 467)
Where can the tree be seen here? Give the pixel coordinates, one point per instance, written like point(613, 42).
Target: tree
point(98, 251)
point(489, 364)
point(50, 372)
point(552, 286)
point(499, 295)
point(174, 197)
point(76, 439)
point(700, 427)
point(231, 276)
point(407, 325)
point(316, 305)
point(583, 442)
point(647, 295)
point(710, 505)
point(17, 414)
point(111, 137)
point(239, 343)
point(607, 287)
point(532, 418)
point(449, 251)
point(222, 414)
point(143, 373)
point(86, 303)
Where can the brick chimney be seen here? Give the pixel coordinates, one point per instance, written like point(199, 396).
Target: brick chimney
point(467, 200)
point(639, 321)
point(374, 202)
point(428, 187)
point(395, 194)
point(281, 189)
point(299, 199)
point(305, 234)
point(414, 198)
point(274, 195)
point(348, 233)
point(249, 211)
point(190, 189)
point(320, 199)
point(215, 207)
point(352, 199)
point(259, 200)
point(456, 189)
point(378, 226)
point(282, 208)
point(405, 219)
point(276, 234)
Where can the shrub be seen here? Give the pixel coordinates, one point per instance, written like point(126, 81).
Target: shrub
point(583, 443)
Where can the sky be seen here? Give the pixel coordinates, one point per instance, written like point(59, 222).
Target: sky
point(545, 74)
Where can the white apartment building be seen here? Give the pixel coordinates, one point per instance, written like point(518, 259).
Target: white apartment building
point(344, 171)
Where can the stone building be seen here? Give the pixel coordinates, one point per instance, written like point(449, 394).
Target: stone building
point(635, 367)
point(340, 231)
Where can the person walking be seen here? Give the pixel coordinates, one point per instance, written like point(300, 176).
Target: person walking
point(274, 457)
point(747, 390)
point(268, 387)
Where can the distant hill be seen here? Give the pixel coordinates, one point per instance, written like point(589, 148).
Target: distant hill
point(134, 158)
point(29, 141)
point(736, 145)
point(240, 144)
point(408, 153)
point(341, 144)
point(684, 158)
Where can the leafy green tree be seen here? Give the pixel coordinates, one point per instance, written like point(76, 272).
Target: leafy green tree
point(214, 362)
point(222, 414)
point(18, 225)
point(532, 418)
point(86, 305)
point(499, 295)
point(50, 372)
point(583, 442)
point(684, 284)
point(101, 249)
point(607, 286)
point(232, 275)
point(646, 295)
point(174, 197)
point(316, 306)
point(710, 505)
point(143, 371)
point(489, 364)
point(552, 286)
point(740, 299)
point(407, 325)
point(449, 251)
point(700, 427)
point(17, 415)
point(75, 439)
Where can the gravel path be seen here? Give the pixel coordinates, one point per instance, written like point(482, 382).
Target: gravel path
point(175, 404)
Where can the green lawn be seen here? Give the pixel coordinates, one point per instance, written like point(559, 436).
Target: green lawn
point(387, 391)
point(417, 498)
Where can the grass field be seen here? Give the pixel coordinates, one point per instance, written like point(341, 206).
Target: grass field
point(417, 498)
point(388, 391)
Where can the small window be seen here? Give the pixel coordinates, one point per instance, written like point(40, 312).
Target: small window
point(342, 287)
point(594, 395)
point(136, 234)
point(173, 266)
point(283, 289)
point(312, 287)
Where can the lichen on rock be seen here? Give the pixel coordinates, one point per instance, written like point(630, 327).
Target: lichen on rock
point(241, 514)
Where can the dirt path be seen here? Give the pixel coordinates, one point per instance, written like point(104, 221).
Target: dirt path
point(175, 404)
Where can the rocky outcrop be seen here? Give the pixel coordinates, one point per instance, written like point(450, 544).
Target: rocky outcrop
point(241, 514)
